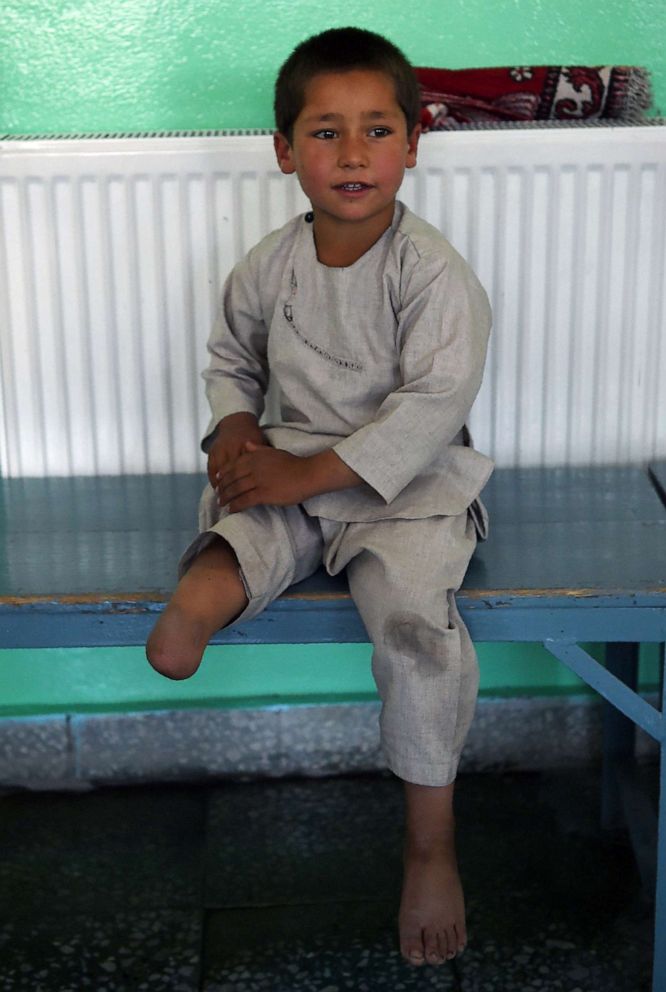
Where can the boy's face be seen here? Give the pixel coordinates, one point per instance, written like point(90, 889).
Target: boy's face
point(350, 148)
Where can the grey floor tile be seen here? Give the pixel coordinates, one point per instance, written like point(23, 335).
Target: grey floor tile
point(352, 948)
point(108, 851)
point(105, 890)
point(141, 951)
point(323, 947)
point(552, 903)
point(304, 840)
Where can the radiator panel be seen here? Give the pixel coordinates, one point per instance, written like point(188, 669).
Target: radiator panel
point(113, 253)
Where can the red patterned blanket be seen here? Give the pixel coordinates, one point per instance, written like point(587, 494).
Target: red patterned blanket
point(452, 98)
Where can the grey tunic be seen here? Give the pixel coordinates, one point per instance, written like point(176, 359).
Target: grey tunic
point(380, 361)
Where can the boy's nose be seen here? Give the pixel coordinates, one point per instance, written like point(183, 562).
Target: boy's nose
point(352, 153)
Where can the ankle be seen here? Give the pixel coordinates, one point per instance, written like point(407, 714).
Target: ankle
point(428, 847)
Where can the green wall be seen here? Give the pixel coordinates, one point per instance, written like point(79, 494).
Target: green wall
point(81, 66)
point(80, 680)
point(130, 65)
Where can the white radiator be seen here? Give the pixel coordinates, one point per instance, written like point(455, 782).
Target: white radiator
point(113, 251)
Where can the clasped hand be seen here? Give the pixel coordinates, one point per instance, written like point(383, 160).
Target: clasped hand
point(244, 471)
point(260, 476)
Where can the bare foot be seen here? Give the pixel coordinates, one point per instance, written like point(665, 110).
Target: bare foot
point(432, 909)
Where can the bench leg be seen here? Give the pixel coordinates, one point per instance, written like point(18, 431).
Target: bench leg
point(659, 960)
point(619, 734)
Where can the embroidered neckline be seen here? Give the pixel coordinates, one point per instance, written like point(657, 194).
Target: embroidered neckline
point(288, 313)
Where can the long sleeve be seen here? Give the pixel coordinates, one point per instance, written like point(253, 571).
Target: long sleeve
point(443, 328)
point(237, 373)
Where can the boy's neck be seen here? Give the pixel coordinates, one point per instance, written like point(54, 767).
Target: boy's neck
point(341, 243)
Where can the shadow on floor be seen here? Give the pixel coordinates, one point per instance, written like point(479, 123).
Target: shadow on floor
point(293, 886)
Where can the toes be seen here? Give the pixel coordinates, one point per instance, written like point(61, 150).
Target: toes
point(416, 958)
point(453, 941)
point(414, 955)
point(412, 948)
point(434, 952)
point(447, 949)
point(432, 947)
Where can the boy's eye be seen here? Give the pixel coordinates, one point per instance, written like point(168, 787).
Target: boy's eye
point(380, 132)
point(326, 134)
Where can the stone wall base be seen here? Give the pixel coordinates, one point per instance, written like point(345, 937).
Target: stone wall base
point(80, 752)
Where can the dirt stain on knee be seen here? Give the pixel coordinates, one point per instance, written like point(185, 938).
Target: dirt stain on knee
point(410, 636)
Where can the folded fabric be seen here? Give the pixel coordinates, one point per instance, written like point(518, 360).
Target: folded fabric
point(453, 98)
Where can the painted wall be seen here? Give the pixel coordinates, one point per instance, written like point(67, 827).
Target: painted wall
point(81, 680)
point(80, 66)
point(130, 65)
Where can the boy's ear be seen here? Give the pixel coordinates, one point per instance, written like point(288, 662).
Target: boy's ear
point(412, 145)
point(283, 154)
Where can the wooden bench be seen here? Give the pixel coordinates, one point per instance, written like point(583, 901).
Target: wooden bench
point(575, 555)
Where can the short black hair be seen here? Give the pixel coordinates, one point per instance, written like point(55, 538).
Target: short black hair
point(341, 50)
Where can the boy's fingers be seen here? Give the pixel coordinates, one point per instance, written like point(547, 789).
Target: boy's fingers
point(238, 470)
point(236, 488)
point(215, 469)
point(244, 466)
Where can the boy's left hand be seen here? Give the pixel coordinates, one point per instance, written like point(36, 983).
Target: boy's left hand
point(265, 476)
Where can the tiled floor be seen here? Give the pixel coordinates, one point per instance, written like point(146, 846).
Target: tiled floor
point(292, 886)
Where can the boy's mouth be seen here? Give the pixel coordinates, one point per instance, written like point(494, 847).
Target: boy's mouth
point(352, 187)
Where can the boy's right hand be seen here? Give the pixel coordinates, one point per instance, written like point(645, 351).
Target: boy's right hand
point(233, 432)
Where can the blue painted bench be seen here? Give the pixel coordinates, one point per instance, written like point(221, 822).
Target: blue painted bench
point(574, 555)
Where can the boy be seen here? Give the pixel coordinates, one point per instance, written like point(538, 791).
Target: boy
point(373, 332)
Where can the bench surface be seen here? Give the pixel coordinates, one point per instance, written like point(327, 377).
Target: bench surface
point(573, 555)
point(88, 561)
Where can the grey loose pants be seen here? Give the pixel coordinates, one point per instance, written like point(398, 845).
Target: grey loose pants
point(402, 577)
